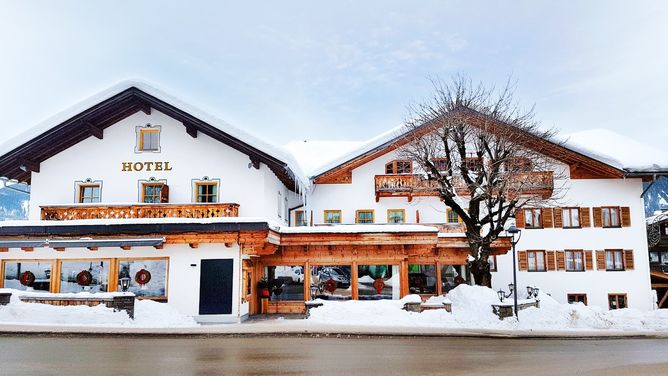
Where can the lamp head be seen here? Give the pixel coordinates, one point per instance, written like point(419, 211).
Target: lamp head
point(501, 295)
point(513, 230)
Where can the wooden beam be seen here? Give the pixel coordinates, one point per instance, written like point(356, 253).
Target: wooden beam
point(92, 248)
point(191, 130)
point(94, 130)
point(59, 249)
point(194, 245)
point(145, 107)
point(255, 161)
point(126, 248)
point(29, 166)
point(4, 249)
point(27, 249)
point(663, 300)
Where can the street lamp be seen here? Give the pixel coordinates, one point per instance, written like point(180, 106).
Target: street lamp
point(512, 230)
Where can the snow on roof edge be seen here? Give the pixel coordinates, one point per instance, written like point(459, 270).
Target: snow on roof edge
point(51, 122)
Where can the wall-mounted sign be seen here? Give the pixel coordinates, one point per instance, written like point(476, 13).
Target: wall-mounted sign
point(145, 166)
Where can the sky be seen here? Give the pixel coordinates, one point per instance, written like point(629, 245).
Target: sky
point(344, 70)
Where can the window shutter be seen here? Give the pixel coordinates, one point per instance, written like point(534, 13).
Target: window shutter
point(598, 217)
point(519, 218)
point(561, 261)
point(550, 260)
point(600, 260)
point(522, 260)
point(626, 216)
point(585, 219)
point(589, 262)
point(628, 259)
point(547, 217)
point(164, 193)
point(558, 221)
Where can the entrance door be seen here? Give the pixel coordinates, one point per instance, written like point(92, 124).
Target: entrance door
point(215, 287)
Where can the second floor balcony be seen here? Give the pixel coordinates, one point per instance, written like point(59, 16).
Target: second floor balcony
point(126, 211)
point(539, 184)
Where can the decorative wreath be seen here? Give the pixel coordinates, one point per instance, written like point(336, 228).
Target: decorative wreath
point(143, 277)
point(379, 285)
point(84, 278)
point(27, 278)
point(330, 285)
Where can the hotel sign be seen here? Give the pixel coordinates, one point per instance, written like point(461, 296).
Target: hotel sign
point(145, 166)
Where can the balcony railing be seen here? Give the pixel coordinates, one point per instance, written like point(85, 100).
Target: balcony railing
point(93, 211)
point(406, 185)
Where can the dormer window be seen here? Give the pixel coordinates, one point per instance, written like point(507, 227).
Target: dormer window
point(148, 138)
point(399, 167)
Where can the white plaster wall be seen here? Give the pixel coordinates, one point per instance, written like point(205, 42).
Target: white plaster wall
point(596, 284)
point(190, 158)
point(183, 279)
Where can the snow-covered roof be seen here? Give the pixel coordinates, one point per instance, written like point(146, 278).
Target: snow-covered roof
point(353, 229)
point(311, 155)
point(274, 151)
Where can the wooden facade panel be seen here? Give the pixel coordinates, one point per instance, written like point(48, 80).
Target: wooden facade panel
point(548, 221)
point(589, 260)
point(628, 259)
point(600, 260)
point(558, 220)
point(598, 217)
point(286, 307)
point(626, 216)
point(522, 260)
point(561, 260)
point(551, 265)
point(519, 218)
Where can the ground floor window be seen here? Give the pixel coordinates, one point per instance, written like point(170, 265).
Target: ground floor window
point(28, 275)
point(286, 282)
point(577, 298)
point(617, 301)
point(422, 279)
point(148, 277)
point(452, 276)
point(375, 282)
point(332, 281)
point(84, 275)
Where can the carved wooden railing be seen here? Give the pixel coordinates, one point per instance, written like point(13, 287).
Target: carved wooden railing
point(406, 185)
point(73, 212)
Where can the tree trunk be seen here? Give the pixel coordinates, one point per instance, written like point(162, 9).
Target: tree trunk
point(479, 269)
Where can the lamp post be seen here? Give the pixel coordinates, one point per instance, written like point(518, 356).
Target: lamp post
point(512, 230)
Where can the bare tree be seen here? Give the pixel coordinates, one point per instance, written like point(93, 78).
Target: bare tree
point(481, 152)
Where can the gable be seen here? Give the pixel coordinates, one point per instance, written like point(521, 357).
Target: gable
point(24, 157)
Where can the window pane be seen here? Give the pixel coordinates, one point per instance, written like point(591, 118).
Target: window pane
point(609, 260)
point(452, 217)
point(536, 217)
point(540, 261)
point(40, 270)
point(71, 270)
point(575, 217)
point(528, 217)
point(396, 216)
point(614, 216)
point(664, 258)
point(337, 277)
point(422, 279)
point(286, 282)
point(570, 263)
point(453, 276)
point(618, 260)
point(579, 265)
point(157, 273)
point(531, 258)
point(566, 216)
point(369, 278)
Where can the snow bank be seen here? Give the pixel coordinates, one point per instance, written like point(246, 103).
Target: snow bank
point(148, 314)
point(471, 309)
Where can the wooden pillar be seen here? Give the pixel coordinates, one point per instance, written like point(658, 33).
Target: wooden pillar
point(55, 276)
point(353, 282)
point(403, 273)
point(307, 281)
point(113, 275)
point(439, 284)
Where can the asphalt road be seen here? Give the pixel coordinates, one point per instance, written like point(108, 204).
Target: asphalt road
point(37, 355)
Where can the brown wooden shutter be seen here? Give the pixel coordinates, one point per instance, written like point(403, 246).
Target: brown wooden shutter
point(558, 220)
point(522, 260)
point(164, 193)
point(548, 222)
point(626, 216)
point(519, 218)
point(600, 260)
point(589, 262)
point(628, 259)
point(585, 218)
point(561, 260)
point(598, 217)
point(550, 260)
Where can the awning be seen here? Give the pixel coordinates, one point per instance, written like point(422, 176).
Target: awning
point(99, 243)
point(83, 243)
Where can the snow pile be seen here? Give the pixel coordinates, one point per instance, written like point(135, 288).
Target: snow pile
point(148, 314)
point(472, 309)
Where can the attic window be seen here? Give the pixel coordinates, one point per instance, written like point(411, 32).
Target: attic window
point(148, 138)
point(399, 167)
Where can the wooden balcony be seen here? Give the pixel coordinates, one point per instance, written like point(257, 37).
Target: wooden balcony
point(92, 211)
point(407, 185)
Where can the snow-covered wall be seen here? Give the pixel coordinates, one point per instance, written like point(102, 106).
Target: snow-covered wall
point(189, 159)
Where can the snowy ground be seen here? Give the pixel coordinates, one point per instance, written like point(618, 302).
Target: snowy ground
point(148, 314)
point(471, 309)
point(471, 315)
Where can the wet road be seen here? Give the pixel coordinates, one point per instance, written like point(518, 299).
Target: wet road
point(328, 356)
